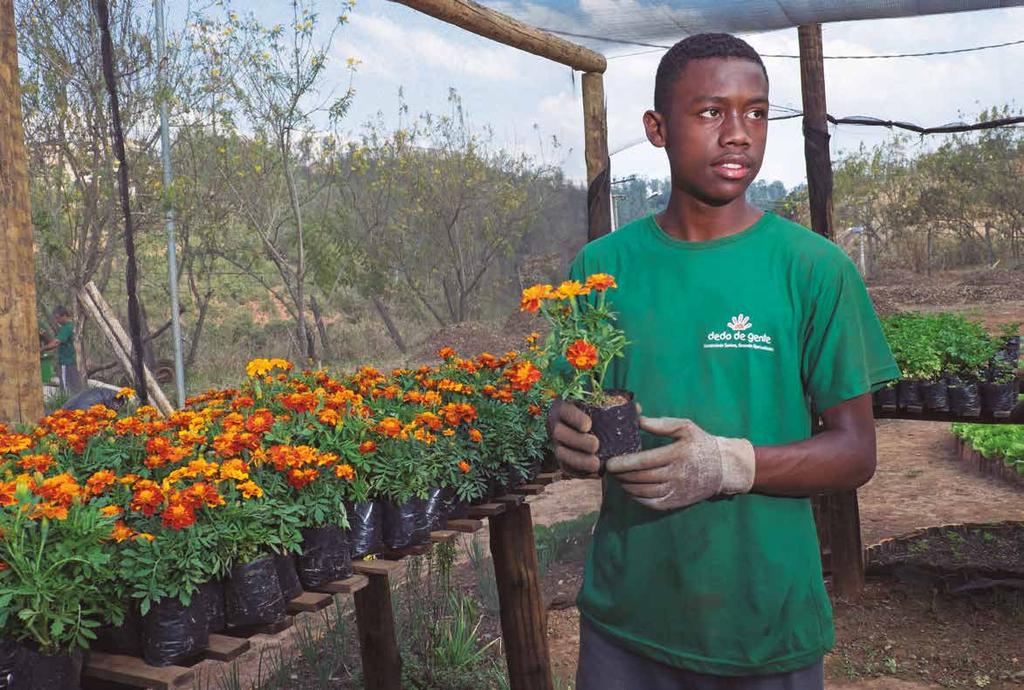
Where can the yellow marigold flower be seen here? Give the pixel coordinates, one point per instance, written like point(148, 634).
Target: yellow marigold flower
point(110, 511)
point(345, 472)
point(250, 489)
point(126, 393)
point(601, 282)
point(145, 535)
point(50, 511)
point(571, 288)
point(532, 338)
point(234, 469)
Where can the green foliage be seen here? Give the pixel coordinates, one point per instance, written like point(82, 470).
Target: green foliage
point(1003, 441)
point(926, 345)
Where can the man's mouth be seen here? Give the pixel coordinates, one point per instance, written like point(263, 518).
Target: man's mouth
point(731, 170)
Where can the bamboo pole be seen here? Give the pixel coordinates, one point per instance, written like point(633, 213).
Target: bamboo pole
point(595, 133)
point(499, 27)
point(21, 389)
point(93, 300)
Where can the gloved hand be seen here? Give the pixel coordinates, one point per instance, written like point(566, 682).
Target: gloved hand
point(694, 467)
point(575, 446)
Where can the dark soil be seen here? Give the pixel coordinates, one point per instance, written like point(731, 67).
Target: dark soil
point(995, 551)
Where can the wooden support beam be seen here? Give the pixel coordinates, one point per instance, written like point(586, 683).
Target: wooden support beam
point(382, 664)
point(21, 389)
point(502, 28)
point(523, 616)
point(595, 145)
point(816, 136)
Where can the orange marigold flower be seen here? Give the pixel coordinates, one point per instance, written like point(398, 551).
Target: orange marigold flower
point(430, 420)
point(36, 463)
point(250, 489)
point(178, 516)
point(147, 500)
point(475, 435)
point(234, 469)
point(329, 417)
point(582, 355)
point(301, 478)
point(446, 353)
point(571, 288)
point(125, 393)
point(345, 472)
point(260, 421)
point(50, 511)
point(533, 295)
point(522, 376)
point(299, 402)
point(367, 447)
point(61, 489)
point(242, 402)
point(534, 410)
point(390, 427)
point(110, 511)
point(14, 443)
point(144, 535)
point(100, 481)
point(463, 466)
point(532, 338)
point(448, 432)
point(121, 532)
point(600, 282)
point(7, 490)
point(488, 361)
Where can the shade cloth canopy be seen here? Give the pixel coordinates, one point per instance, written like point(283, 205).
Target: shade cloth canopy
point(610, 25)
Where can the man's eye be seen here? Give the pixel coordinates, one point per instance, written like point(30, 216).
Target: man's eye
point(710, 112)
point(756, 114)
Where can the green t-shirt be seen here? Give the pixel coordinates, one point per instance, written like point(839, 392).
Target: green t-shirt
point(66, 349)
point(746, 335)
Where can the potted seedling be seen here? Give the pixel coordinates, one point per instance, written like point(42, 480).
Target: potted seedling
point(584, 335)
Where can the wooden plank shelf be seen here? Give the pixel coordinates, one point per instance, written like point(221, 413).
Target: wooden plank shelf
point(444, 535)
point(417, 550)
point(132, 672)
point(466, 526)
point(511, 499)
point(310, 602)
point(529, 489)
point(269, 629)
point(485, 510)
point(376, 567)
point(225, 648)
point(548, 477)
point(349, 585)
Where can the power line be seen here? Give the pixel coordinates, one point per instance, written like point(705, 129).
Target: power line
point(953, 128)
point(660, 46)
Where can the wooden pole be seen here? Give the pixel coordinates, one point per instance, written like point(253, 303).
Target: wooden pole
point(21, 389)
point(816, 136)
point(839, 510)
point(595, 133)
point(523, 617)
point(499, 27)
point(382, 664)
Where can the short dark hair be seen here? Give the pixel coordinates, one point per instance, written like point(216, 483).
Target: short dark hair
point(61, 311)
point(697, 47)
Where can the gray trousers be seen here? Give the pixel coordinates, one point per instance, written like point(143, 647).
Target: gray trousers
point(604, 665)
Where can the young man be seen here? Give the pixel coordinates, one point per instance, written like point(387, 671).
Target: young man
point(64, 343)
point(704, 572)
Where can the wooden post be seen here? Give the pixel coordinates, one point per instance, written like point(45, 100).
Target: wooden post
point(595, 138)
point(382, 664)
point(523, 617)
point(21, 386)
point(839, 510)
point(816, 136)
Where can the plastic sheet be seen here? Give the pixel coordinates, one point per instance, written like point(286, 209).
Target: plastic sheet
point(885, 397)
point(437, 507)
point(8, 663)
point(212, 594)
point(617, 428)
point(287, 575)
point(366, 528)
point(935, 395)
point(405, 524)
point(998, 397)
point(965, 398)
point(123, 639)
point(252, 594)
point(325, 556)
point(173, 632)
point(908, 392)
point(92, 396)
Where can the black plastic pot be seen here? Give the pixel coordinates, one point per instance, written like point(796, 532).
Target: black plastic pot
point(366, 528)
point(437, 507)
point(405, 524)
point(617, 428)
point(325, 556)
point(252, 594)
point(25, 668)
point(998, 398)
point(287, 577)
point(1010, 352)
point(213, 599)
point(935, 395)
point(121, 639)
point(964, 398)
point(173, 633)
point(908, 393)
point(885, 398)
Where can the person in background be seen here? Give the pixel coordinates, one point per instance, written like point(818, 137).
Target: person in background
point(64, 344)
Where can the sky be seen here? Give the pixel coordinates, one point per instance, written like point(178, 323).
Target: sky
point(527, 100)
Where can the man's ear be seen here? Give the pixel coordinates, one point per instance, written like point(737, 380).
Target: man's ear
point(655, 126)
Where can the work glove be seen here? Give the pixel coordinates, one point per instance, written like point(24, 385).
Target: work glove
point(694, 467)
point(569, 431)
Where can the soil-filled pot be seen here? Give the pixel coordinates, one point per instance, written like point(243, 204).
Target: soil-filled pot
point(998, 397)
point(615, 425)
point(456, 509)
point(173, 632)
point(325, 556)
point(1010, 352)
point(366, 528)
point(121, 639)
point(437, 507)
point(252, 594)
point(935, 395)
point(885, 398)
point(287, 576)
point(213, 598)
point(964, 398)
point(908, 392)
point(405, 524)
point(25, 668)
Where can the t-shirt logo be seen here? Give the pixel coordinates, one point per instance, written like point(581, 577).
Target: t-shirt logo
point(738, 338)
